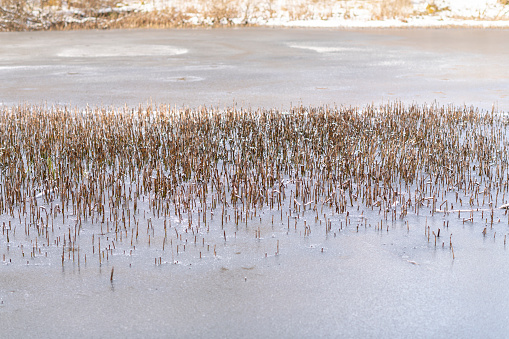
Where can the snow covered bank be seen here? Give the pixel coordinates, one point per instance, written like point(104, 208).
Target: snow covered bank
point(338, 13)
point(31, 14)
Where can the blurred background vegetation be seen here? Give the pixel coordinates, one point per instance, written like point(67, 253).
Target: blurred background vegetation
point(22, 15)
point(19, 15)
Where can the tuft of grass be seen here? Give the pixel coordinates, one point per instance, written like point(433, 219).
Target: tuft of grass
point(223, 11)
point(391, 9)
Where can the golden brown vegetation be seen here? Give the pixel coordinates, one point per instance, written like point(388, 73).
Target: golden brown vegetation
point(389, 9)
point(21, 15)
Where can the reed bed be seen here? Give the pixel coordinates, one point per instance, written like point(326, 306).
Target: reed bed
point(80, 186)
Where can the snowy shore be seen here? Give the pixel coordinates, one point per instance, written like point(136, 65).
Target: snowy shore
point(274, 13)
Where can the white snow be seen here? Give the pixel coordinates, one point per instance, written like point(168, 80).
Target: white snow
point(320, 49)
point(339, 13)
point(101, 51)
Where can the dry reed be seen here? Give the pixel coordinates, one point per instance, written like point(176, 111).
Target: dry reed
point(98, 166)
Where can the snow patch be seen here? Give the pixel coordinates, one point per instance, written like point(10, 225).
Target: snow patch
point(341, 14)
point(100, 51)
point(321, 50)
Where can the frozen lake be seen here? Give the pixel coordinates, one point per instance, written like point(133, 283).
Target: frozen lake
point(258, 67)
point(368, 277)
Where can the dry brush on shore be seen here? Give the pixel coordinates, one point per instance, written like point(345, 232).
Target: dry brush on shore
point(22, 15)
point(25, 15)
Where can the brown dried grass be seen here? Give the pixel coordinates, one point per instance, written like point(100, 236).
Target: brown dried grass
point(19, 15)
point(391, 9)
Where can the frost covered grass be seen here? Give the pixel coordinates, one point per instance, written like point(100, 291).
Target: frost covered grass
point(79, 14)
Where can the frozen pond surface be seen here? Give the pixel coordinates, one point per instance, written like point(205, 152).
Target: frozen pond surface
point(366, 284)
point(368, 281)
point(258, 67)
